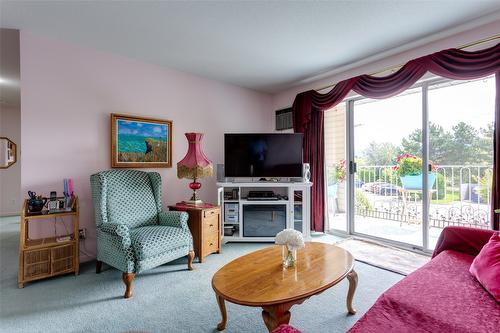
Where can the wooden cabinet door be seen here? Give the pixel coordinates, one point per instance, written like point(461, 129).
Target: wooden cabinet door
point(211, 231)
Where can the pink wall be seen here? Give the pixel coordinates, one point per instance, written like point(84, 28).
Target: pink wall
point(285, 98)
point(68, 92)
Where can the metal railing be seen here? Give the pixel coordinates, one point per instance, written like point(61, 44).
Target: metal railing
point(460, 195)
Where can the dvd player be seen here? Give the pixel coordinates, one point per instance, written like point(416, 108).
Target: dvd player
point(262, 195)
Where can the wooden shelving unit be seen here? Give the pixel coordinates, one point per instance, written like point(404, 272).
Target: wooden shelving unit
point(45, 257)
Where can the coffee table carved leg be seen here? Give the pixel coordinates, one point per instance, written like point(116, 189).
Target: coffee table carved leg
point(222, 306)
point(276, 315)
point(353, 283)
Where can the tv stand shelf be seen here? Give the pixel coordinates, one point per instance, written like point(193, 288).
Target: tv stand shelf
point(264, 218)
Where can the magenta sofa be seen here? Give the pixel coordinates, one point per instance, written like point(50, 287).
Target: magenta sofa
point(284, 328)
point(441, 296)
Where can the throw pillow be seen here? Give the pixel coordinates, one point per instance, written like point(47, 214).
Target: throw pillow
point(284, 328)
point(486, 266)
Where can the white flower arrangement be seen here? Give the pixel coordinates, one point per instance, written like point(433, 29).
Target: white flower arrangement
point(292, 238)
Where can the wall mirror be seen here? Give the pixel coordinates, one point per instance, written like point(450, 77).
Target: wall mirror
point(8, 152)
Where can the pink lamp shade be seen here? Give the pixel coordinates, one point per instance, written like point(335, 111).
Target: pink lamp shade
point(194, 165)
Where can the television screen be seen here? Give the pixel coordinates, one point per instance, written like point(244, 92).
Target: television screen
point(263, 155)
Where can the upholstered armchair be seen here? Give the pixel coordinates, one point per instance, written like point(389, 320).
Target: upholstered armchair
point(133, 233)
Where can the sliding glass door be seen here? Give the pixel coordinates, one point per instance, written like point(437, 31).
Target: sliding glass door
point(461, 122)
point(416, 162)
point(383, 206)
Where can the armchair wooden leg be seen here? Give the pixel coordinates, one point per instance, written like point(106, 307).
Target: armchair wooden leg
point(98, 266)
point(190, 260)
point(127, 279)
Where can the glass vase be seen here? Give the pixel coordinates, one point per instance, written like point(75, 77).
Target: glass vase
point(289, 256)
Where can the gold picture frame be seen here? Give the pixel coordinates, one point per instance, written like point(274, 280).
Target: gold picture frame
point(9, 149)
point(139, 142)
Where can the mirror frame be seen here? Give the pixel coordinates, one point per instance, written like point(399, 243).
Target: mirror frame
point(14, 153)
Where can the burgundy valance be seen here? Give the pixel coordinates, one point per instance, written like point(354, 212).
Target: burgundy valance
point(452, 63)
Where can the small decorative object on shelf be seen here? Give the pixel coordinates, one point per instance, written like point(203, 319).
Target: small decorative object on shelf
point(291, 240)
point(194, 165)
point(35, 202)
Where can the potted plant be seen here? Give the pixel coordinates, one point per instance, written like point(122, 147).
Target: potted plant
point(339, 175)
point(409, 169)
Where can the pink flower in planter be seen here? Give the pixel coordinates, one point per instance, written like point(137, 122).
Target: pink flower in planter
point(434, 167)
point(411, 165)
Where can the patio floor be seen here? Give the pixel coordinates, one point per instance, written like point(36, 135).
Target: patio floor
point(388, 229)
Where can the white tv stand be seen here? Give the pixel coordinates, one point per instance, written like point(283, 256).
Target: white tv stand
point(291, 210)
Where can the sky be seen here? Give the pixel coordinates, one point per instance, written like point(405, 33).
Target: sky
point(150, 130)
point(390, 120)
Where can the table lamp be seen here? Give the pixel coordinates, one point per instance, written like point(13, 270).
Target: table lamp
point(194, 165)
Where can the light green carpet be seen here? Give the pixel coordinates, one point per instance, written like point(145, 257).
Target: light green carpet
point(166, 299)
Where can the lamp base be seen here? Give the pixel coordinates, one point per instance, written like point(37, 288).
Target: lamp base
point(194, 198)
point(193, 202)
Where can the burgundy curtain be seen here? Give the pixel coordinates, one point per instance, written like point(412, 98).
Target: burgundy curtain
point(453, 64)
point(495, 193)
point(313, 142)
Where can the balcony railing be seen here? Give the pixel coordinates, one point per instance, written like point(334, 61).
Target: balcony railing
point(460, 195)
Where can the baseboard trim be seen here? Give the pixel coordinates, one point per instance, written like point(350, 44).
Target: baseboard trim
point(9, 214)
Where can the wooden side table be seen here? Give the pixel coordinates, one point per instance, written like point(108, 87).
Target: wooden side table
point(205, 226)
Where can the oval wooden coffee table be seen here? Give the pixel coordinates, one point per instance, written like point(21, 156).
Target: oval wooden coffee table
point(258, 279)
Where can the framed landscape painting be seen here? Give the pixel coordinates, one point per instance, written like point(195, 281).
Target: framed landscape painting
point(138, 142)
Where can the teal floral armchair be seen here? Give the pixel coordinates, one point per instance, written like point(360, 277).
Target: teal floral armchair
point(133, 233)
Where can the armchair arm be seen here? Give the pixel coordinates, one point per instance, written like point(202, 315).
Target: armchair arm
point(462, 239)
point(174, 219)
point(120, 230)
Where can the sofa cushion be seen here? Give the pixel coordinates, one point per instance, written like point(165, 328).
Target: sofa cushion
point(441, 296)
point(150, 241)
point(486, 266)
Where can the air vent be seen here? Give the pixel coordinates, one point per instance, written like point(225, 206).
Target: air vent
point(284, 119)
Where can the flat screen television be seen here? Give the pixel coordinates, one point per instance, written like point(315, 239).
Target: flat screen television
point(263, 155)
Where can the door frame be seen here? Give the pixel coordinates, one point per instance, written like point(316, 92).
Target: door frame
point(423, 85)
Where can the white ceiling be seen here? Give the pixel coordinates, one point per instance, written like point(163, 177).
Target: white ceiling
point(266, 46)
